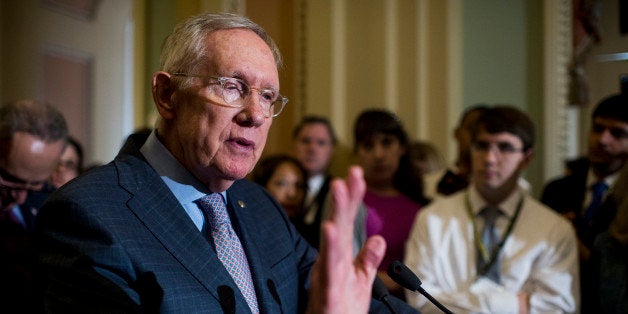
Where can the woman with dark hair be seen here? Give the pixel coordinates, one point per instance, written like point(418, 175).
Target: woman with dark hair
point(394, 193)
point(71, 164)
point(285, 179)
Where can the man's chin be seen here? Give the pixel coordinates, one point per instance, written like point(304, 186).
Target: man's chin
point(599, 156)
point(234, 176)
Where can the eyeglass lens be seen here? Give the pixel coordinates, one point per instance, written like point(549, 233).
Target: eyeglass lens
point(236, 91)
point(502, 147)
point(10, 182)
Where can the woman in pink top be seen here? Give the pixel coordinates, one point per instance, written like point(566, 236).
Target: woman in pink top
point(394, 193)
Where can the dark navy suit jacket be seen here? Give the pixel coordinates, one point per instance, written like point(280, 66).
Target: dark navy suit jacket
point(117, 240)
point(566, 195)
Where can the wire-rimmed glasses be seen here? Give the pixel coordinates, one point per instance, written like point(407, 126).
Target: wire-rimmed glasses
point(10, 183)
point(500, 148)
point(236, 92)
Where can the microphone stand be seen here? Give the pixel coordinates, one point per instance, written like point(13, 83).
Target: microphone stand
point(380, 292)
point(434, 301)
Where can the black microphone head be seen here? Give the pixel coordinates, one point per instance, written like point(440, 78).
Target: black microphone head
point(273, 291)
point(226, 299)
point(402, 275)
point(379, 289)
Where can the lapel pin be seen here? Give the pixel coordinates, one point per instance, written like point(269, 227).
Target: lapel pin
point(241, 204)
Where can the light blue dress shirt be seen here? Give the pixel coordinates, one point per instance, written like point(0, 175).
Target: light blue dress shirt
point(185, 187)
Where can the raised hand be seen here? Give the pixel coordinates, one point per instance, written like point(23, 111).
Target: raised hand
point(340, 283)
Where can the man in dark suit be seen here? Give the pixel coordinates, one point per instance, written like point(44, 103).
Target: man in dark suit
point(32, 137)
point(314, 143)
point(147, 232)
point(575, 194)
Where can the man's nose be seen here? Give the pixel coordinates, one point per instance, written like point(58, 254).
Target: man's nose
point(252, 113)
point(606, 136)
point(292, 192)
point(492, 153)
point(379, 151)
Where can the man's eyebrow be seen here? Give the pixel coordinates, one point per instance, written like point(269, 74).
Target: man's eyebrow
point(241, 76)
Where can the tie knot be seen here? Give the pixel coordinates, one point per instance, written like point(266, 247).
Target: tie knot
point(599, 187)
point(215, 207)
point(490, 214)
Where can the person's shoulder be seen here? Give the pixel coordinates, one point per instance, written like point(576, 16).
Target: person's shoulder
point(430, 181)
point(575, 170)
point(444, 200)
point(563, 190)
point(578, 166)
point(556, 184)
point(96, 193)
point(561, 181)
point(97, 174)
point(98, 182)
point(541, 212)
point(445, 205)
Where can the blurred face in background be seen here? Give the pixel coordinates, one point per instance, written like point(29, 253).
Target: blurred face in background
point(497, 161)
point(68, 167)
point(462, 134)
point(287, 185)
point(314, 148)
point(379, 157)
point(608, 144)
point(27, 165)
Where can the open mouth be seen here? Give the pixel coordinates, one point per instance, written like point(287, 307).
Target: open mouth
point(242, 143)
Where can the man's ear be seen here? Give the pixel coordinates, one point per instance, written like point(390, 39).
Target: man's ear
point(527, 158)
point(163, 90)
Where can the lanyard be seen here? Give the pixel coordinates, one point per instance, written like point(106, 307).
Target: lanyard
point(478, 239)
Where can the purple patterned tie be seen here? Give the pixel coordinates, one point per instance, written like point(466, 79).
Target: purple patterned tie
point(228, 247)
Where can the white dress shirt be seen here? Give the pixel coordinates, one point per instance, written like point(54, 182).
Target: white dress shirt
point(539, 257)
point(314, 185)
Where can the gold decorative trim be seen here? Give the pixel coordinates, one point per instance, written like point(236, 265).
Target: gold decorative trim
point(557, 55)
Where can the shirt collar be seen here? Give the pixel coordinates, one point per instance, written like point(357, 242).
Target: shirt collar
point(609, 180)
point(314, 183)
point(508, 207)
point(185, 187)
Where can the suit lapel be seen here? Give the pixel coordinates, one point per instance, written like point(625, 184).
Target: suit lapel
point(161, 213)
point(253, 222)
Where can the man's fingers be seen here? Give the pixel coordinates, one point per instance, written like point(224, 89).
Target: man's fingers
point(371, 255)
point(347, 196)
point(341, 282)
point(356, 184)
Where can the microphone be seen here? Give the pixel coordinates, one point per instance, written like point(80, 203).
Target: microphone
point(380, 293)
point(227, 299)
point(273, 291)
point(402, 275)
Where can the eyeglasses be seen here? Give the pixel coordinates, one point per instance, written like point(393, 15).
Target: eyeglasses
point(9, 183)
point(236, 92)
point(501, 148)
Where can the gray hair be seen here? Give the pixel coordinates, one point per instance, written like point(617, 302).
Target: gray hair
point(33, 117)
point(184, 48)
